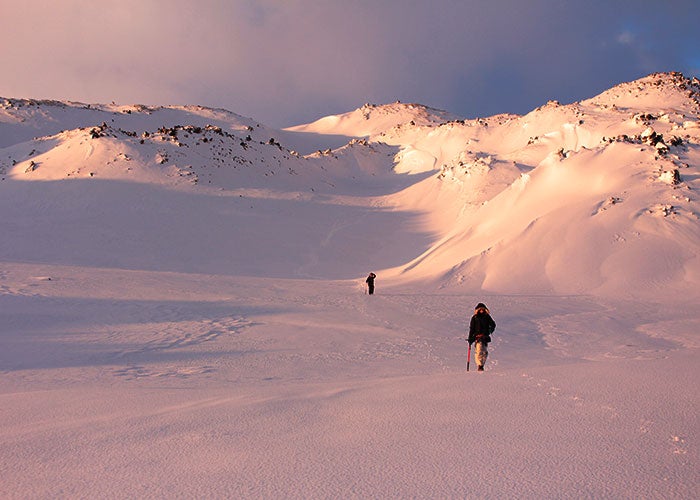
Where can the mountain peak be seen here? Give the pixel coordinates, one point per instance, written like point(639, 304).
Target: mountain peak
point(373, 119)
point(657, 90)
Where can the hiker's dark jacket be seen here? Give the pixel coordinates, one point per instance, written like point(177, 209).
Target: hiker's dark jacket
point(481, 327)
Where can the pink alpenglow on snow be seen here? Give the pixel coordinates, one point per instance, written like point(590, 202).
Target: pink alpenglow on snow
point(182, 306)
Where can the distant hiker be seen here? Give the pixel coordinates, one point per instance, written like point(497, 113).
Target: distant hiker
point(481, 327)
point(370, 282)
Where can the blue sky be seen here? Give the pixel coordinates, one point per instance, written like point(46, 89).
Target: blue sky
point(290, 62)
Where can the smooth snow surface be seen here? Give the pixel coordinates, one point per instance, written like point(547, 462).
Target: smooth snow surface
point(182, 309)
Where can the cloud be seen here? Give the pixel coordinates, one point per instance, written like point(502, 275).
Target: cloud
point(293, 61)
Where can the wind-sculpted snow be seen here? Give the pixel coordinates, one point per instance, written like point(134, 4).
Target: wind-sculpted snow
point(183, 310)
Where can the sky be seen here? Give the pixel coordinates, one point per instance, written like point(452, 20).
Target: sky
point(288, 62)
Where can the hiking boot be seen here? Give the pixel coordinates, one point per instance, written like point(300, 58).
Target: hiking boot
point(480, 368)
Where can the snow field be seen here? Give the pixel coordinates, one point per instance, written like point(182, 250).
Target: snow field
point(182, 306)
point(168, 384)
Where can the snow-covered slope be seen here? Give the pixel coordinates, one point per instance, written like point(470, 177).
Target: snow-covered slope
point(591, 197)
point(24, 119)
point(182, 310)
point(226, 198)
point(372, 119)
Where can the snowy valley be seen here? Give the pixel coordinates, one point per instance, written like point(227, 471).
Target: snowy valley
point(184, 314)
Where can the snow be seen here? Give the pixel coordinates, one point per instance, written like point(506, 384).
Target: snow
point(372, 119)
point(187, 318)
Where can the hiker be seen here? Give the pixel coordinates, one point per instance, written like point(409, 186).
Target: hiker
point(370, 282)
point(481, 327)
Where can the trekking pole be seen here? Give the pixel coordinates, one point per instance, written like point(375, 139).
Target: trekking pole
point(469, 353)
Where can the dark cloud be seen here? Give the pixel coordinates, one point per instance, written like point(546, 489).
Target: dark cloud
point(290, 62)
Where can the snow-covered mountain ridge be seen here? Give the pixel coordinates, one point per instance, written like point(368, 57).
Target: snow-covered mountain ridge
point(372, 119)
point(23, 119)
point(596, 196)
